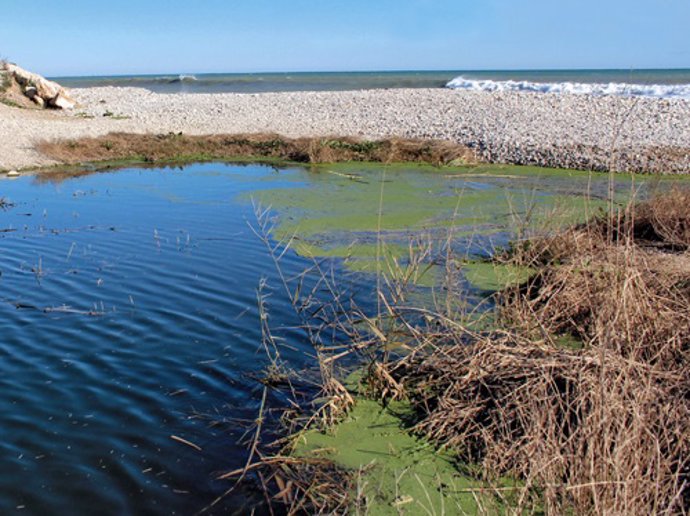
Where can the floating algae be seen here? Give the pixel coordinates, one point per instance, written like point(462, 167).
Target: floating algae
point(492, 277)
point(398, 473)
point(346, 210)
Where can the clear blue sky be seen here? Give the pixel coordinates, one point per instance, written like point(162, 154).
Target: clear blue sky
point(91, 37)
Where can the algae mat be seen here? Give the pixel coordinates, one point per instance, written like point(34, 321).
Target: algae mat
point(397, 473)
point(367, 214)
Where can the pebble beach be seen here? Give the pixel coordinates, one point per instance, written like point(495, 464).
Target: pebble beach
point(553, 130)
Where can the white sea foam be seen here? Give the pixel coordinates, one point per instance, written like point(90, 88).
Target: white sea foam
point(681, 91)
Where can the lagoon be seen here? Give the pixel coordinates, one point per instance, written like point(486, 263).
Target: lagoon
point(131, 329)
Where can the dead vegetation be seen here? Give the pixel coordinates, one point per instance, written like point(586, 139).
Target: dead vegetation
point(586, 431)
point(621, 283)
point(151, 148)
point(302, 485)
point(662, 222)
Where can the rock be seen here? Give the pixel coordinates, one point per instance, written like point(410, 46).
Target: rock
point(31, 92)
point(12, 173)
point(63, 102)
point(36, 86)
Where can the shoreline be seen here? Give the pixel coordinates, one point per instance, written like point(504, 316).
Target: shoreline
point(549, 130)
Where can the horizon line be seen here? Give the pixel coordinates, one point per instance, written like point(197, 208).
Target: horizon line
point(412, 70)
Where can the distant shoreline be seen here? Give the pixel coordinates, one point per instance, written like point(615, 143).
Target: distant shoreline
point(561, 131)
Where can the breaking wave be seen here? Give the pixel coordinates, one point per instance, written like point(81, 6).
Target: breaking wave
point(182, 78)
point(680, 91)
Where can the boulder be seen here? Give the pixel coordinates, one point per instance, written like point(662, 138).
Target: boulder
point(31, 92)
point(62, 101)
point(37, 87)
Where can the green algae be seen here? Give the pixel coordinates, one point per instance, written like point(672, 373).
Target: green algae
point(398, 472)
point(359, 202)
point(385, 258)
point(492, 277)
point(406, 200)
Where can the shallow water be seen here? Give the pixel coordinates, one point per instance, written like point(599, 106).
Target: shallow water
point(129, 315)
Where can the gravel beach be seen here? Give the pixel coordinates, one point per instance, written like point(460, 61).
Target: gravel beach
point(569, 131)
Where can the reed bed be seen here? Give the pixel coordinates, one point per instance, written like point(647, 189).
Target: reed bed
point(586, 431)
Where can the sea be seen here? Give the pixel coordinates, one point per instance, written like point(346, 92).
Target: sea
point(662, 83)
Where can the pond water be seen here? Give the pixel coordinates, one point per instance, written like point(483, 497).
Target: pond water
point(129, 314)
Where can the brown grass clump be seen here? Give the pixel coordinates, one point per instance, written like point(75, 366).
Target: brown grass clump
point(623, 298)
point(586, 431)
point(303, 485)
point(663, 220)
point(179, 147)
point(623, 285)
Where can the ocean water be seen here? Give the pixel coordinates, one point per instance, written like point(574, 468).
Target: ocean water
point(648, 83)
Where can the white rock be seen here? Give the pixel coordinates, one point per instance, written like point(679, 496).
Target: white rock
point(63, 102)
point(12, 173)
point(51, 92)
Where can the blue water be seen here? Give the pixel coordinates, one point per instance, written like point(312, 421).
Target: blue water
point(336, 81)
point(128, 315)
point(167, 266)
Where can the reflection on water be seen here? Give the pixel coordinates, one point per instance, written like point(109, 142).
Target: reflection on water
point(128, 315)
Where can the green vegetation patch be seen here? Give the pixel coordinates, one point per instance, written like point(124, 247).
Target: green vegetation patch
point(390, 259)
point(397, 472)
point(492, 277)
point(342, 205)
point(4, 80)
point(10, 103)
point(366, 200)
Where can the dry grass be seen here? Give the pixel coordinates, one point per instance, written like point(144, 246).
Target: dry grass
point(622, 284)
point(622, 298)
point(663, 221)
point(302, 485)
point(165, 147)
point(586, 431)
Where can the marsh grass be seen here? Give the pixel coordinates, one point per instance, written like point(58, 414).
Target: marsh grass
point(177, 146)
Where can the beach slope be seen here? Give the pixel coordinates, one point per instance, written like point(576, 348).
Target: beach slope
point(555, 130)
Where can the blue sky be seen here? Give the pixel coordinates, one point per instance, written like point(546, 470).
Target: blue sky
point(80, 37)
